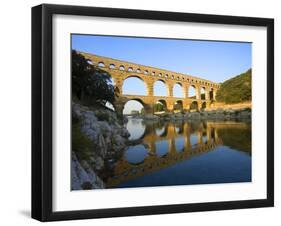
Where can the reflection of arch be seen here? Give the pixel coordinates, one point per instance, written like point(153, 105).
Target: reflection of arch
point(162, 148)
point(178, 90)
point(179, 144)
point(127, 87)
point(160, 88)
point(204, 105)
point(179, 128)
point(194, 106)
point(136, 154)
point(192, 92)
point(161, 131)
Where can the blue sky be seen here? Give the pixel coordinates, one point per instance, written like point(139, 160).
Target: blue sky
point(215, 61)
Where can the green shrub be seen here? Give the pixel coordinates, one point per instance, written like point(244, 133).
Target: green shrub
point(81, 144)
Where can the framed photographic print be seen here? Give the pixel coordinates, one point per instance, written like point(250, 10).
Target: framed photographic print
point(145, 112)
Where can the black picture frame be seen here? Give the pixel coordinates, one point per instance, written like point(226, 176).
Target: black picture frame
point(42, 111)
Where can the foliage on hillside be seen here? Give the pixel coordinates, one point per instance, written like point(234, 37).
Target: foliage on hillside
point(90, 83)
point(237, 89)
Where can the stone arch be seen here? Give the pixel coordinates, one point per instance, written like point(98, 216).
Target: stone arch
point(178, 105)
point(158, 88)
point(112, 66)
point(211, 94)
point(194, 106)
point(136, 107)
point(130, 69)
point(160, 109)
point(101, 64)
point(203, 92)
point(90, 62)
point(192, 92)
point(128, 87)
point(138, 70)
point(122, 68)
point(178, 90)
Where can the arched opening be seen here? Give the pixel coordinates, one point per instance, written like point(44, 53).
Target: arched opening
point(112, 66)
point(211, 95)
point(133, 107)
point(90, 62)
point(145, 72)
point(203, 93)
point(122, 68)
point(178, 106)
point(192, 92)
point(134, 125)
point(160, 106)
point(101, 64)
point(160, 88)
point(134, 86)
point(110, 106)
point(138, 70)
point(177, 90)
point(194, 106)
point(130, 69)
point(204, 105)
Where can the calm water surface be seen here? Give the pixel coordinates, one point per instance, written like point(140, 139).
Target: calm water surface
point(183, 153)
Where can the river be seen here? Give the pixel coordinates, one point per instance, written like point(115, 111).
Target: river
point(183, 153)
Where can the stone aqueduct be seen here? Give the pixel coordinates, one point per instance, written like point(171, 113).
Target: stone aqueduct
point(121, 70)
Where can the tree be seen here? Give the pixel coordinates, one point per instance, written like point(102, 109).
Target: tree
point(158, 107)
point(90, 82)
point(142, 111)
point(237, 89)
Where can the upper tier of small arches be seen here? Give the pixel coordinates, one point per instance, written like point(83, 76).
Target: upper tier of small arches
point(148, 71)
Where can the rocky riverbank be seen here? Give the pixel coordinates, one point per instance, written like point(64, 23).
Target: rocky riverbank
point(96, 138)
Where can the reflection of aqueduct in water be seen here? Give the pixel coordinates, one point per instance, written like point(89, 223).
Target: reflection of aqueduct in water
point(121, 70)
point(207, 140)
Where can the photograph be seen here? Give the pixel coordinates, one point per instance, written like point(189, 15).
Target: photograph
point(149, 111)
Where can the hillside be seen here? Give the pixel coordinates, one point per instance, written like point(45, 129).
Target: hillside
point(237, 89)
